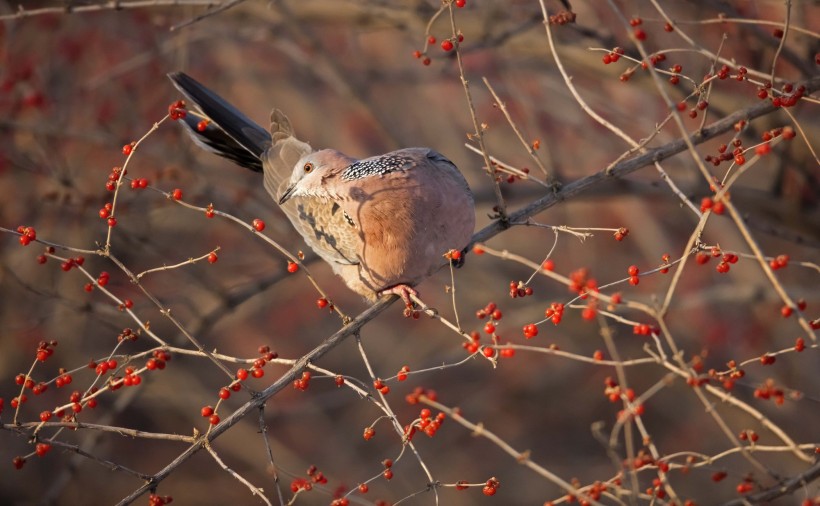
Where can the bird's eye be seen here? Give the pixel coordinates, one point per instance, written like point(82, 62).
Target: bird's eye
point(308, 167)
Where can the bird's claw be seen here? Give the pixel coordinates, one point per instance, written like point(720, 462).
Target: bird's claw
point(403, 291)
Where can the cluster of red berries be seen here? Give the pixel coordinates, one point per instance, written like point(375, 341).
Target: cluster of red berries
point(737, 154)
point(769, 390)
point(555, 312)
point(693, 112)
point(562, 18)
point(453, 255)
point(643, 329)
point(314, 477)
point(520, 289)
point(779, 262)
point(63, 379)
point(724, 72)
point(139, 183)
point(131, 378)
point(633, 272)
point(425, 423)
point(748, 435)
point(158, 360)
point(381, 387)
point(302, 383)
point(613, 391)
point(657, 489)
point(103, 278)
point(414, 397)
point(103, 367)
point(128, 334)
point(474, 345)
point(77, 400)
point(491, 487)
point(29, 383)
point(27, 234)
point(613, 56)
point(745, 486)
point(582, 284)
point(530, 330)
point(177, 110)
point(209, 413)
point(68, 264)
point(642, 459)
point(510, 178)
point(789, 98)
point(157, 500)
point(621, 234)
point(44, 350)
point(113, 177)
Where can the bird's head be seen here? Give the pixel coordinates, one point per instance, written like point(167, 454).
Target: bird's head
point(311, 172)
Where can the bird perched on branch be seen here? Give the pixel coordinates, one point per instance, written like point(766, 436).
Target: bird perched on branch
point(383, 223)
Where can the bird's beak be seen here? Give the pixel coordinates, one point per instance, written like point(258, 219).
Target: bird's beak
point(285, 196)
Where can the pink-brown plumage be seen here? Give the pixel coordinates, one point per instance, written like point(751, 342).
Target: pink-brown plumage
point(383, 223)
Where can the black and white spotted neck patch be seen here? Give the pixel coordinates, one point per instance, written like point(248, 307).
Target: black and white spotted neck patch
point(376, 166)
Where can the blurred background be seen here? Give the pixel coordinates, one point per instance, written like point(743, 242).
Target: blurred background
point(76, 86)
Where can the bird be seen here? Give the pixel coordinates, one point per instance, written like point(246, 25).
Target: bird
point(383, 223)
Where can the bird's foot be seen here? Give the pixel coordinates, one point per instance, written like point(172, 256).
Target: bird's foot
point(403, 291)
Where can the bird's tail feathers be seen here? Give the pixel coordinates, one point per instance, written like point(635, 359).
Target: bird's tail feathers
point(226, 131)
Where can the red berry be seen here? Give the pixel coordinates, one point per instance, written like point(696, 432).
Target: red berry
point(214, 419)
point(292, 267)
point(447, 45)
point(207, 411)
point(259, 225)
point(212, 257)
point(42, 448)
point(461, 3)
point(369, 432)
point(127, 149)
point(321, 303)
point(18, 462)
point(176, 194)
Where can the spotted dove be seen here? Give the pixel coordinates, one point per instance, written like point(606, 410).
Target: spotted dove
point(383, 223)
